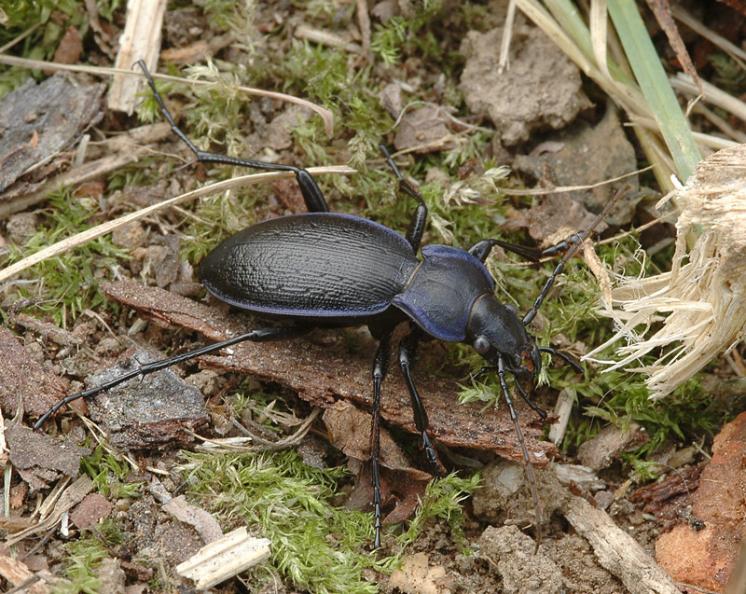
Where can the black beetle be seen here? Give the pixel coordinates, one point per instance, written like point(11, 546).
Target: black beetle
point(321, 268)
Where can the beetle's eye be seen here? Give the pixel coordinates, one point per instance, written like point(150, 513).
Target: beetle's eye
point(481, 344)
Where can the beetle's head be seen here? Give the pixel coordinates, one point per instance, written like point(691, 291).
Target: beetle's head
point(495, 329)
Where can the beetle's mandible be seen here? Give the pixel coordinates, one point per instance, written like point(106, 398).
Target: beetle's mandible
point(323, 268)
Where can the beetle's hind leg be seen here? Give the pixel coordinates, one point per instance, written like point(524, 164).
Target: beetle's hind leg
point(407, 349)
point(257, 335)
point(312, 194)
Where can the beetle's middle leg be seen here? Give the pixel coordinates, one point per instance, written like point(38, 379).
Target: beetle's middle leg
point(380, 368)
point(419, 220)
point(407, 349)
point(312, 194)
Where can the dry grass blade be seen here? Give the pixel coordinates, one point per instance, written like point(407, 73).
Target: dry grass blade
point(89, 234)
point(711, 94)
point(324, 113)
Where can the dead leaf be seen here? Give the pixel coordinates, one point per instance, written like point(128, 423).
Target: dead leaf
point(42, 456)
point(349, 431)
point(426, 130)
point(70, 47)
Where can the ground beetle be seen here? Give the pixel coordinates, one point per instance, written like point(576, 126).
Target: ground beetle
point(321, 268)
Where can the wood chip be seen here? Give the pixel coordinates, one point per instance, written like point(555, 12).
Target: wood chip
point(17, 573)
point(214, 563)
point(323, 374)
point(203, 522)
point(140, 40)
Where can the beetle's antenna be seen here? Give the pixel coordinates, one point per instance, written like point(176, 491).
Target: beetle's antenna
point(530, 474)
point(566, 357)
point(572, 245)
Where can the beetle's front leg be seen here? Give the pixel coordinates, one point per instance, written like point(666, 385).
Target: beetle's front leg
point(407, 350)
point(380, 367)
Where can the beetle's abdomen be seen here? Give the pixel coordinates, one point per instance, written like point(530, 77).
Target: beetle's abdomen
point(310, 265)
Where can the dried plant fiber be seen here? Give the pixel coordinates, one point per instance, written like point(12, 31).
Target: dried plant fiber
point(697, 311)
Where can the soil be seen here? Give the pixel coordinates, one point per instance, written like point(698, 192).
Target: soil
point(543, 118)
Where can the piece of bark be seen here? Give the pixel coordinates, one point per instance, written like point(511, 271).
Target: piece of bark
point(616, 550)
point(703, 553)
point(23, 381)
point(90, 511)
point(140, 40)
point(29, 449)
point(47, 330)
point(38, 121)
point(322, 375)
point(161, 409)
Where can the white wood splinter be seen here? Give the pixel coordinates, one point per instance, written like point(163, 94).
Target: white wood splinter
point(224, 558)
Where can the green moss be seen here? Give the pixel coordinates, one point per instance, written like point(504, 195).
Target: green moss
point(315, 545)
point(402, 35)
point(84, 557)
point(67, 284)
point(443, 501)
point(110, 475)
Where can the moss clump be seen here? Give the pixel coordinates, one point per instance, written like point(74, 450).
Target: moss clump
point(315, 545)
point(66, 285)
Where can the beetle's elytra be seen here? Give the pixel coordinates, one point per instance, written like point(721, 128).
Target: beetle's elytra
point(322, 268)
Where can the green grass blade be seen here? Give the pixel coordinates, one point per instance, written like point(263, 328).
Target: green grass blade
point(654, 84)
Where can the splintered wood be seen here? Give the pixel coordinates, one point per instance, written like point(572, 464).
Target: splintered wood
point(323, 374)
point(141, 40)
point(702, 300)
point(214, 563)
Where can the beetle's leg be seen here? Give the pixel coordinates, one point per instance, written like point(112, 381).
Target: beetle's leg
point(312, 194)
point(482, 249)
point(380, 367)
point(419, 220)
point(258, 335)
point(566, 357)
point(407, 349)
point(530, 474)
